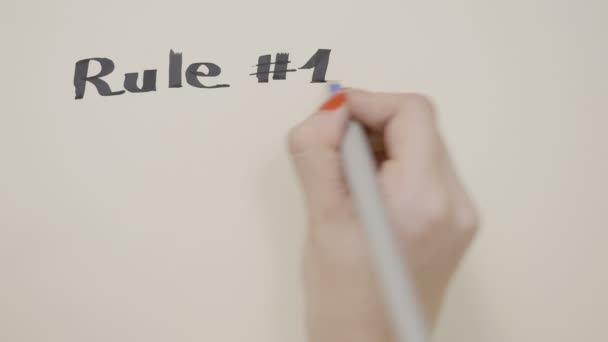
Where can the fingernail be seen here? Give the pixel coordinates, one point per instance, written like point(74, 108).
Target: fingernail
point(334, 102)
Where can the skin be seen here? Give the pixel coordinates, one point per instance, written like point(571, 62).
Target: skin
point(434, 217)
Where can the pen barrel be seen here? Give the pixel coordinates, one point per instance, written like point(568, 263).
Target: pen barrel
point(392, 269)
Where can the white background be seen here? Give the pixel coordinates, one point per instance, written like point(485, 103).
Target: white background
point(175, 215)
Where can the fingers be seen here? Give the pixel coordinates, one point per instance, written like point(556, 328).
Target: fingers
point(407, 121)
point(314, 145)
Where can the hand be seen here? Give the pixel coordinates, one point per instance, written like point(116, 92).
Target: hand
point(434, 217)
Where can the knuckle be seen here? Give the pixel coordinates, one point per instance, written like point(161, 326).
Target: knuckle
point(434, 210)
point(466, 220)
point(428, 209)
point(299, 138)
point(419, 106)
point(433, 207)
point(421, 101)
point(425, 218)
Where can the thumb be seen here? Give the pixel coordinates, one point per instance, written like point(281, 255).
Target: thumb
point(314, 148)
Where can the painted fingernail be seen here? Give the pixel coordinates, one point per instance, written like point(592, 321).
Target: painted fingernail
point(334, 102)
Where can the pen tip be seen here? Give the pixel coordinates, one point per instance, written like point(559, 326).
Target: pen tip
point(334, 87)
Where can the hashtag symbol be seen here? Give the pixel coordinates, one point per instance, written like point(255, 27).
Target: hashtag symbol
point(280, 67)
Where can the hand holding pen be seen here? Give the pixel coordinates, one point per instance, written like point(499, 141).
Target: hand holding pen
point(433, 217)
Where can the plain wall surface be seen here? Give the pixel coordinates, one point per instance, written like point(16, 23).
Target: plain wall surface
point(175, 215)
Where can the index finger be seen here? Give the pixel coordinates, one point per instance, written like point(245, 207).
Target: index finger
point(407, 121)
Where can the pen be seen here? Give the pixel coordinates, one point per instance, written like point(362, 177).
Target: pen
point(398, 289)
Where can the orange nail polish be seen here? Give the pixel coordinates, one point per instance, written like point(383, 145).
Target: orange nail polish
point(334, 102)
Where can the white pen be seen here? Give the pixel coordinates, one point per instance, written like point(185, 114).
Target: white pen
point(399, 292)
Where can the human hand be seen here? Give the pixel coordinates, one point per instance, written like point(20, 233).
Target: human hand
point(434, 217)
